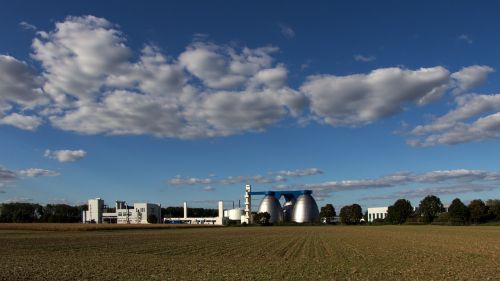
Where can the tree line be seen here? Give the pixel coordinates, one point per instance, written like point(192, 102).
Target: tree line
point(63, 213)
point(430, 210)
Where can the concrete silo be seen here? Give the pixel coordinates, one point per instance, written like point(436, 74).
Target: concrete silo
point(305, 208)
point(271, 205)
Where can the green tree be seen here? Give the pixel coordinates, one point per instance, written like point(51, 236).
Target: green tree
point(493, 208)
point(478, 211)
point(351, 214)
point(430, 207)
point(459, 213)
point(327, 211)
point(356, 213)
point(399, 212)
point(345, 214)
point(262, 218)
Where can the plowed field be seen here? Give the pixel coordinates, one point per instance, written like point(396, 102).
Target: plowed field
point(254, 253)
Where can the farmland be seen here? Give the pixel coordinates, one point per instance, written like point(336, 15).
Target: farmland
point(253, 253)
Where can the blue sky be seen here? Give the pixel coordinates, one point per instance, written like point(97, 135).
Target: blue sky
point(362, 102)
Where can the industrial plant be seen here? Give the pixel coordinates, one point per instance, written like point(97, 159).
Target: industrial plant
point(298, 207)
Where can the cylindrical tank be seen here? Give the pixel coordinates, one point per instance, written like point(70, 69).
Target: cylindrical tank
point(271, 205)
point(305, 209)
point(288, 209)
point(234, 214)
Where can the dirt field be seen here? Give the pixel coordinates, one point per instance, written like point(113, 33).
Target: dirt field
point(254, 253)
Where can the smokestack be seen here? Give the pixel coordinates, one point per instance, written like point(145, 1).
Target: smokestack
point(185, 209)
point(221, 210)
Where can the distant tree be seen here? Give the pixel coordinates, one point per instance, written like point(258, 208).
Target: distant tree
point(478, 211)
point(493, 208)
point(262, 218)
point(351, 214)
point(399, 212)
point(19, 212)
point(345, 214)
point(152, 218)
point(327, 211)
point(356, 213)
point(430, 207)
point(443, 218)
point(458, 212)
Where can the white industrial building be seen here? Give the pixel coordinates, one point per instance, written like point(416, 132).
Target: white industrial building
point(377, 213)
point(124, 214)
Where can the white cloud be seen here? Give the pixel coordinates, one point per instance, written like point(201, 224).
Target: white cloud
point(65, 155)
point(403, 178)
point(97, 89)
point(7, 175)
point(19, 85)
point(92, 83)
point(222, 67)
point(470, 77)
point(183, 181)
point(78, 56)
point(286, 31)
point(37, 172)
point(364, 58)
point(269, 178)
point(363, 98)
point(442, 190)
point(27, 26)
point(23, 122)
point(300, 173)
point(455, 126)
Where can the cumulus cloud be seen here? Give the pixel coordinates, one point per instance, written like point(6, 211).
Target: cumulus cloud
point(91, 82)
point(362, 58)
point(456, 126)
point(286, 31)
point(23, 122)
point(78, 56)
point(37, 172)
point(65, 155)
point(470, 77)
point(97, 89)
point(19, 85)
point(363, 98)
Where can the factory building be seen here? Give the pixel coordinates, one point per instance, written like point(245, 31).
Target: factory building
point(124, 214)
point(377, 213)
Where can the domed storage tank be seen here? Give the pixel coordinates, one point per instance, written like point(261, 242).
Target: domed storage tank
point(271, 205)
point(235, 214)
point(305, 209)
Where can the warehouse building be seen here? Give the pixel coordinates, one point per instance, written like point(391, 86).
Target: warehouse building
point(377, 213)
